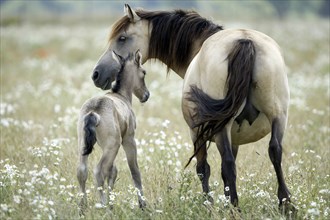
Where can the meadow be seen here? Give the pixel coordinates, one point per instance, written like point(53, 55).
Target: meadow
point(45, 78)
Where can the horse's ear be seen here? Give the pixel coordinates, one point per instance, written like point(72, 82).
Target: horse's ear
point(130, 13)
point(138, 58)
point(119, 59)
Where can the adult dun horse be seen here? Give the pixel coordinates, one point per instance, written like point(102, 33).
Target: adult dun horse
point(235, 85)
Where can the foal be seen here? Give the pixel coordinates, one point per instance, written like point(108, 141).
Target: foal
point(110, 121)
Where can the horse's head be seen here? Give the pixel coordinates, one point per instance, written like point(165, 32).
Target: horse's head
point(131, 76)
point(130, 33)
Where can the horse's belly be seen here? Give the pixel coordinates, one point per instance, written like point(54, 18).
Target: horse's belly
point(246, 133)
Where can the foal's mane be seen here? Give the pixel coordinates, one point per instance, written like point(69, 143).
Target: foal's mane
point(173, 34)
point(120, 74)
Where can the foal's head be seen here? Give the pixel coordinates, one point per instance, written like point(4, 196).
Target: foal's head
point(130, 78)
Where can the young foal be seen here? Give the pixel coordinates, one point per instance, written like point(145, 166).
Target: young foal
point(110, 121)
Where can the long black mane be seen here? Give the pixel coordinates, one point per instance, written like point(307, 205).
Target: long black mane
point(173, 34)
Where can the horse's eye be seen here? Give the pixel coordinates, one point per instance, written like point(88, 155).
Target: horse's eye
point(122, 38)
point(144, 72)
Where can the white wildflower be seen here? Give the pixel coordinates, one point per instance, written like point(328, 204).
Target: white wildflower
point(17, 199)
point(4, 207)
point(324, 191)
point(99, 206)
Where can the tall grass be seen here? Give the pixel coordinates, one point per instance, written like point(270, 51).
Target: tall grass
point(45, 78)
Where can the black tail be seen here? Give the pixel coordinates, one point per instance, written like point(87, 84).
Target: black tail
point(212, 115)
point(90, 122)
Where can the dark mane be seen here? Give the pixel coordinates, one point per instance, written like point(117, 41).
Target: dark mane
point(173, 34)
point(120, 74)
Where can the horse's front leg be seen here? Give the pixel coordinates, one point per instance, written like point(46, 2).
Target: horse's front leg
point(228, 166)
point(131, 154)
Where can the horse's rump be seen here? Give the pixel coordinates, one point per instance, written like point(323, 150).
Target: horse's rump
point(211, 115)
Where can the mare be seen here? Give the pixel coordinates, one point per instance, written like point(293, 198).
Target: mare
point(110, 121)
point(235, 88)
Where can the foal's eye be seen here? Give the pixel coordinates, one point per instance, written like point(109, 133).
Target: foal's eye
point(144, 72)
point(122, 38)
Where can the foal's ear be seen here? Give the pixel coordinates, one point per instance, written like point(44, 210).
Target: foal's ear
point(130, 13)
point(119, 59)
point(138, 58)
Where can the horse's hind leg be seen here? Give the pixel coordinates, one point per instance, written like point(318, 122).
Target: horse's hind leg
point(226, 184)
point(228, 166)
point(275, 154)
point(131, 154)
point(203, 169)
point(235, 150)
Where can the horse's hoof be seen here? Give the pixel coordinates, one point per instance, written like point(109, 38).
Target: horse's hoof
point(236, 212)
point(209, 199)
point(288, 209)
point(142, 204)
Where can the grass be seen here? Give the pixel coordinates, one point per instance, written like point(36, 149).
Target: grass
point(45, 78)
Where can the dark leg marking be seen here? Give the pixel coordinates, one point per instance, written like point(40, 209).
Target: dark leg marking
point(228, 167)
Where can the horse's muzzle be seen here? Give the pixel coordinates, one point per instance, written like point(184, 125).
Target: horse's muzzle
point(103, 78)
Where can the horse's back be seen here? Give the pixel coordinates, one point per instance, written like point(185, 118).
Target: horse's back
point(269, 91)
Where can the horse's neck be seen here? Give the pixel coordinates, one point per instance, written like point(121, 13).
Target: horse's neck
point(181, 70)
point(194, 51)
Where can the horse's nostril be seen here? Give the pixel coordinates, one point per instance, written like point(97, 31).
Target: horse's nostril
point(95, 75)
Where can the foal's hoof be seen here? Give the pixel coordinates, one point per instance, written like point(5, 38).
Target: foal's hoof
point(82, 207)
point(288, 209)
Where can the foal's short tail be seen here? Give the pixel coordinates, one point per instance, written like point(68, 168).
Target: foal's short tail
point(91, 120)
point(212, 115)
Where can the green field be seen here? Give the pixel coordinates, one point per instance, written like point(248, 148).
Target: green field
point(45, 78)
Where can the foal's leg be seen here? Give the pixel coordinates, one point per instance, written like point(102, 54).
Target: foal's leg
point(131, 154)
point(102, 171)
point(203, 169)
point(112, 176)
point(82, 173)
point(82, 170)
point(228, 167)
point(275, 154)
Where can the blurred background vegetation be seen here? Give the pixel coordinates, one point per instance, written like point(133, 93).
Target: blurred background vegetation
point(16, 11)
